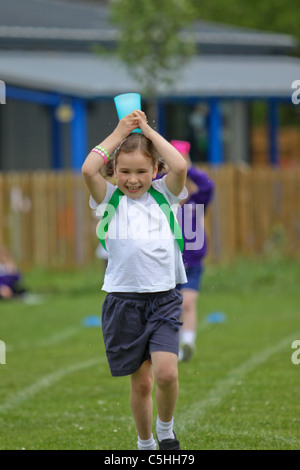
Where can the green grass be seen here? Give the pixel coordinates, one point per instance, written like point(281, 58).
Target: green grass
point(240, 391)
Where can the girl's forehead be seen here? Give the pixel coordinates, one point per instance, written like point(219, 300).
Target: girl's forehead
point(134, 160)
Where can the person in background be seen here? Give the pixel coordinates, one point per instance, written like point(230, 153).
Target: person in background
point(10, 276)
point(200, 191)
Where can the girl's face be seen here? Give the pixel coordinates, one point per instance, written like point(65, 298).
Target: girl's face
point(134, 173)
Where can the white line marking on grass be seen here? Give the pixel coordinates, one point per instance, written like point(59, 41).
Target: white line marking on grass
point(261, 433)
point(45, 382)
point(187, 418)
point(54, 339)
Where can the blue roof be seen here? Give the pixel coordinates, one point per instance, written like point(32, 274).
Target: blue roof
point(91, 76)
point(46, 45)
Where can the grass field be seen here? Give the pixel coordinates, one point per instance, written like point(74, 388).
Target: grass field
point(240, 391)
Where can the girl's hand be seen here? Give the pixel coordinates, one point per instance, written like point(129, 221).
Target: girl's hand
point(126, 125)
point(141, 118)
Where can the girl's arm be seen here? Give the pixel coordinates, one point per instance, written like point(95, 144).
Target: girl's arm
point(93, 162)
point(175, 179)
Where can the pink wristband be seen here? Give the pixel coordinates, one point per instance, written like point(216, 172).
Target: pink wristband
point(101, 153)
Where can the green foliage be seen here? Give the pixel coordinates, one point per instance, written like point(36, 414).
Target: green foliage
point(266, 15)
point(151, 42)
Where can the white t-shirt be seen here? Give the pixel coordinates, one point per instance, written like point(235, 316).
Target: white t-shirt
point(143, 254)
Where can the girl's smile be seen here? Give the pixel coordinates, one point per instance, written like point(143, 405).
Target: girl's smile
point(133, 189)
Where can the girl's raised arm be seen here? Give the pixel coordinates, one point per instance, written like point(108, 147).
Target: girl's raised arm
point(94, 161)
point(176, 177)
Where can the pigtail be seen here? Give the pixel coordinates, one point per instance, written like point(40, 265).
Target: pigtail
point(107, 170)
point(162, 168)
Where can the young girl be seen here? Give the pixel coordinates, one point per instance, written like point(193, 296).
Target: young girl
point(141, 312)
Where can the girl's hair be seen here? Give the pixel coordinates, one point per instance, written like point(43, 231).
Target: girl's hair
point(129, 145)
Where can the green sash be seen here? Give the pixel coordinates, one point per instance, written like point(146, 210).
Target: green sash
point(161, 201)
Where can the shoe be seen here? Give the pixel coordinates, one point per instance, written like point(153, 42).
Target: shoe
point(187, 352)
point(169, 444)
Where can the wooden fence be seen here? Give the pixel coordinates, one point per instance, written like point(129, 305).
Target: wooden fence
point(46, 220)
point(288, 142)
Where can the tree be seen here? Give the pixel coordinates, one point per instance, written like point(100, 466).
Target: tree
point(265, 15)
point(152, 42)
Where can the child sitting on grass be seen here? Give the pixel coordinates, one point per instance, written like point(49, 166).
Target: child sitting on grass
point(10, 276)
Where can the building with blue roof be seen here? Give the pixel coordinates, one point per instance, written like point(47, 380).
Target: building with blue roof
point(59, 91)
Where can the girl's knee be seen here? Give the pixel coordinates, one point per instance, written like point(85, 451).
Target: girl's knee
point(166, 378)
point(142, 382)
point(166, 374)
point(143, 386)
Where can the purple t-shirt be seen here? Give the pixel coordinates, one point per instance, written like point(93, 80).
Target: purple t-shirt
point(9, 279)
point(202, 196)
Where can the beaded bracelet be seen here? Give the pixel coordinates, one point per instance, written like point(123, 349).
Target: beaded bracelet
point(101, 151)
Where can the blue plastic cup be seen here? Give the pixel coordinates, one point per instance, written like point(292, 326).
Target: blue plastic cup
point(126, 103)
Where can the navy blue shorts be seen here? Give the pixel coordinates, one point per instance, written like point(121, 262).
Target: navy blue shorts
point(135, 325)
point(194, 276)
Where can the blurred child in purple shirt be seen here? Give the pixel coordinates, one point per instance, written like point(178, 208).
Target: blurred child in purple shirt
point(10, 276)
point(200, 189)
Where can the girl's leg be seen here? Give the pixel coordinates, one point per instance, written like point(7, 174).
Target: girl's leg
point(189, 319)
point(166, 376)
point(141, 399)
point(189, 310)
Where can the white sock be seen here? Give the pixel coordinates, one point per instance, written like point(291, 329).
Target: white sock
point(149, 444)
point(164, 430)
point(188, 337)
